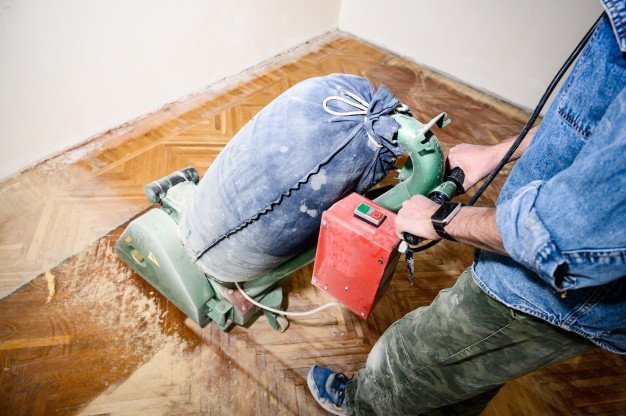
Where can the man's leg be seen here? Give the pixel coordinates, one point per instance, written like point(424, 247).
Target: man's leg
point(465, 344)
point(470, 407)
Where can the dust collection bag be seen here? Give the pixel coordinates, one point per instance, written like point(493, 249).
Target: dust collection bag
point(261, 200)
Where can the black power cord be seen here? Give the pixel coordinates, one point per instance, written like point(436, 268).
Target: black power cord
point(542, 102)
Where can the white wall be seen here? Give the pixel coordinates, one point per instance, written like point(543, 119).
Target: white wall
point(70, 69)
point(510, 48)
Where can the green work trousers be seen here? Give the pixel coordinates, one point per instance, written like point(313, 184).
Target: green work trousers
point(452, 357)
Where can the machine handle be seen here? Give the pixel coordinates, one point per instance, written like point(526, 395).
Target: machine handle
point(158, 189)
point(412, 240)
point(456, 177)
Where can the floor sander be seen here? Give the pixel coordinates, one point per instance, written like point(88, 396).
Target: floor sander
point(355, 257)
point(357, 250)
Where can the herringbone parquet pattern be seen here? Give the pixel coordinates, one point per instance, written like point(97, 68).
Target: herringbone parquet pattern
point(106, 343)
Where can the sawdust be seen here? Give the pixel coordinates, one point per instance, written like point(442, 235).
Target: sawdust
point(51, 286)
point(317, 181)
point(310, 212)
point(114, 301)
point(70, 156)
point(154, 364)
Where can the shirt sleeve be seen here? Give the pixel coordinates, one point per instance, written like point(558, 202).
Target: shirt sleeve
point(571, 229)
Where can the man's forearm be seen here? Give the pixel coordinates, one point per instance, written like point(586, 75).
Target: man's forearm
point(502, 147)
point(477, 227)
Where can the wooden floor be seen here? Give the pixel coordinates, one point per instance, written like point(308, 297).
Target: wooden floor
point(88, 336)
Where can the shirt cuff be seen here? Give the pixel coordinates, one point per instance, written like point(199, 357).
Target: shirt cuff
point(527, 240)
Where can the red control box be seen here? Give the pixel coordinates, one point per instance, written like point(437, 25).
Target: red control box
point(356, 253)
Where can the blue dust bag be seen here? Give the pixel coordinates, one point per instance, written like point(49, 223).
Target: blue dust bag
point(261, 200)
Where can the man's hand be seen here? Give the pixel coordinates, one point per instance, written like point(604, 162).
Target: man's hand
point(479, 161)
point(414, 217)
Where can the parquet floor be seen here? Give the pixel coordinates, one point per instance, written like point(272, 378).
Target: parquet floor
point(90, 337)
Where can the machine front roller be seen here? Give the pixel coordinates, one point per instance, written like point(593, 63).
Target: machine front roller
point(152, 248)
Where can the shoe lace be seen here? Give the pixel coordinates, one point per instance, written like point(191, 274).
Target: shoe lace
point(339, 384)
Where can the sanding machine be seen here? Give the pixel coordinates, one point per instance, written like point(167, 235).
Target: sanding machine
point(355, 257)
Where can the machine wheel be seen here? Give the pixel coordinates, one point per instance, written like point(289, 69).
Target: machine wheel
point(283, 323)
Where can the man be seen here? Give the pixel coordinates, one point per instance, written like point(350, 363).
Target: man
point(550, 280)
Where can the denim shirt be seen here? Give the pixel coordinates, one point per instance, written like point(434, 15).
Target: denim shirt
point(616, 10)
point(562, 211)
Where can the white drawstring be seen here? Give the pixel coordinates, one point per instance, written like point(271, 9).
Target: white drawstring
point(358, 103)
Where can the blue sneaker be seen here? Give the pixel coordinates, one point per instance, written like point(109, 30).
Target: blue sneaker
point(328, 388)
